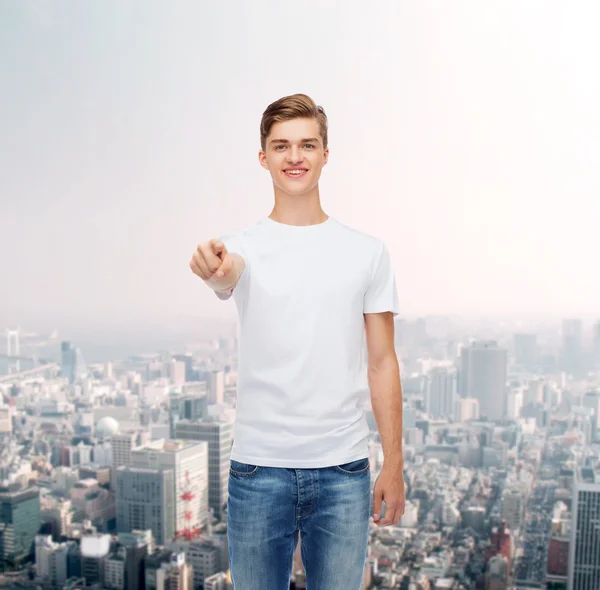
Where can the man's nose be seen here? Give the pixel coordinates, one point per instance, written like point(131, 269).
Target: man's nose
point(294, 154)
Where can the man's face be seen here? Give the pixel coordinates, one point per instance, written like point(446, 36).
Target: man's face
point(294, 155)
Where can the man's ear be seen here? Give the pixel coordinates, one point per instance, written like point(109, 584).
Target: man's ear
point(262, 159)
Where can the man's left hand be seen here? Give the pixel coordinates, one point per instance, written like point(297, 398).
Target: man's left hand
point(389, 488)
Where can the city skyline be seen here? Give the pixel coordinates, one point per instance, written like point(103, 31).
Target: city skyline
point(465, 144)
point(463, 136)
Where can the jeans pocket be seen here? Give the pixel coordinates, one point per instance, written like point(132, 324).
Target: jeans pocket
point(239, 469)
point(354, 467)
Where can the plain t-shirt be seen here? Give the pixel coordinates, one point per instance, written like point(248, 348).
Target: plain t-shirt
point(302, 352)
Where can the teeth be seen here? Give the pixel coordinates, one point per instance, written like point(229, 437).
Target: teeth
point(294, 171)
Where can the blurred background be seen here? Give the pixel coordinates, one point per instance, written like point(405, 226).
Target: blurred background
point(463, 134)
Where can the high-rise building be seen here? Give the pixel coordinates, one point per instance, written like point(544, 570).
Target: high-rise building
point(526, 350)
point(177, 371)
point(591, 400)
point(95, 549)
point(191, 404)
point(19, 523)
point(466, 408)
point(514, 403)
point(145, 500)
point(114, 576)
point(51, 561)
point(72, 365)
point(219, 437)
point(513, 504)
point(153, 564)
point(584, 548)
point(138, 545)
point(57, 513)
point(596, 343)
point(483, 372)
point(571, 349)
point(440, 393)
point(189, 463)
point(121, 445)
point(188, 360)
point(215, 386)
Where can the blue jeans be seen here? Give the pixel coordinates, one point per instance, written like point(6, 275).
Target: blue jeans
point(269, 507)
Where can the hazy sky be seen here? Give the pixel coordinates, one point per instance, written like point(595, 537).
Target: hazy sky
point(466, 135)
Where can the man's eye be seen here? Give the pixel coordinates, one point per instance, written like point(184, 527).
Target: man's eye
point(309, 145)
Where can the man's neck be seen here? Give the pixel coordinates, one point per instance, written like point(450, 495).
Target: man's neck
point(298, 209)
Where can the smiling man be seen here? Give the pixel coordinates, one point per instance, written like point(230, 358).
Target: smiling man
point(309, 292)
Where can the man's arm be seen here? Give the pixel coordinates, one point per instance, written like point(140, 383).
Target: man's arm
point(386, 400)
point(384, 383)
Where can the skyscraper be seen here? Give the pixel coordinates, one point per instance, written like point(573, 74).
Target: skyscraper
point(440, 395)
point(584, 549)
point(483, 372)
point(191, 404)
point(189, 463)
point(145, 499)
point(121, 445)
point(596, 344)
point(219, 436)
point(138, 545)
point(216, 386)
point(571, 350)
point(19, 523)
point(526, 350)
point(72, 364)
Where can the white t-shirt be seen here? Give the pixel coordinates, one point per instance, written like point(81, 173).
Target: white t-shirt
point(302, 354)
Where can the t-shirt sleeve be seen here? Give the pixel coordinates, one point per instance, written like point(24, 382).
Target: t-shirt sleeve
point(235, 245)
point(382, 294)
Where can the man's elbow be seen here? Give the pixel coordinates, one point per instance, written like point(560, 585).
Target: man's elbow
point(384, 365)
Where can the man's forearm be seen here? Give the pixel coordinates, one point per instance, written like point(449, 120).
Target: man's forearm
point(386, 401)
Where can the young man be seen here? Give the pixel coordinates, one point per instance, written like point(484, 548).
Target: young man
point(307, 289)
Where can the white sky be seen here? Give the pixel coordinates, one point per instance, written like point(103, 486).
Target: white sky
point(463, 134)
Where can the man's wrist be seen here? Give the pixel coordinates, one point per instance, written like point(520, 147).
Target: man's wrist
point(394, 462)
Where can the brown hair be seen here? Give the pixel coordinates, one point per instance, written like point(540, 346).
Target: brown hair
point(295, 106)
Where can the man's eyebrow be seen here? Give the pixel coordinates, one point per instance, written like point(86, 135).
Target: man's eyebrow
point(313, 139)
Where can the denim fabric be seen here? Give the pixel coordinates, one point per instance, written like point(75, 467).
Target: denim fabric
point(269, 507)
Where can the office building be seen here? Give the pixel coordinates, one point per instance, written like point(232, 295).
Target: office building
point(571, 347)
point(95, 549)
point(440, 393)
point(72, 365)
point(483, 373)
point(526, 350)
point(584, 548)
point(215, 381)
point(121, 445)
point(19, 523)
point(219, 437)
point(51, 561)
point(191, 404)
point(189, 463)
point(466, 408)
point(138, 545)
point(145, 500)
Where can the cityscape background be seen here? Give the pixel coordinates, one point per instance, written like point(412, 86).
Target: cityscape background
point(464, 135)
